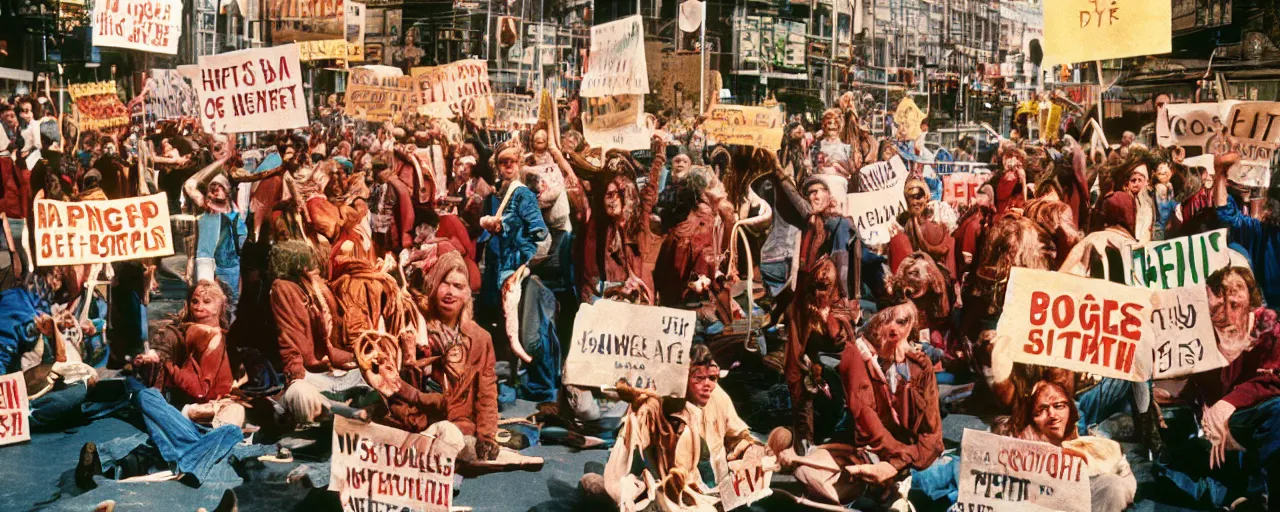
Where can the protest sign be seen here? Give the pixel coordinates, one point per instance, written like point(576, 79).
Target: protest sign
point(550, 176)
point(329, 49)
point(1252, 125)
point(1205, 161)
point(961, 188)
point(616, 122)
point(252, 90)
point(101, 231)
point(305, 20)
point(616, 64)
point(1089, 30)
point(169, 96)
point(747, 126)
point(147, 25)
point(514, 109)
point(1183, 339)
point(14, 409)
point(747, 482)
point(999, 473)
point(375, 467)
point(874, 213)
point(1183, 261)
point(457, 86)
point(908, 117)
point(883, 175)
point(98, 106)
point(1186, 124)
point(355, 24)
point(1075, 323)
point(648, 346)
point(376, 96)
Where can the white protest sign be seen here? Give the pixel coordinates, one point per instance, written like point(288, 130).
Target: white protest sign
point(961, 188)
point(1183, 339)
point(101, 231)
point(147, 25)
point(1186, 124)
point(457, 86)
point(252, 90)
point(375, 467)
point(648, 346)
point(354, 26)
point(169, 96)
point(883, 175)
point(1205, 161)
point(999, 473)
point(1075, 323)
point(550, 176)
point(747, 482)
point(1253, 125)
point(616, 64)
point(1181, 261)
point(512, 109)
point(874, 213)
point(15, 410)
point(616, 122)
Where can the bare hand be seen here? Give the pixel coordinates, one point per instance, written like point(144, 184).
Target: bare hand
point(877, 473)
point(1217, 431)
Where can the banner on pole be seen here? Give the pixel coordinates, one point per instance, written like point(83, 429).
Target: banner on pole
point(616, 65)
point(648, 346)
point(15, 409)
point(252, 90)
point(747, 126)
point(1183, 340)
point(999, 473)
point(98, 106)
point(305, 20)
point(1187, 124)
point(1088, 30)
point(147, 25)
point(169, 96)
point(454, 86)
point(101, 231)
point(375, 467)
point(616, 122)
point(376, 97)
point(1182, 261)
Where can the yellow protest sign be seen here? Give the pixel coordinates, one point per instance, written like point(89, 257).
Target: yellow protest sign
point(1089, 30)
point(748, 126)
point(329, 49)
point(908, 118)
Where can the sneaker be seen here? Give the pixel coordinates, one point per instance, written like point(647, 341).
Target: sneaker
point(90, 465)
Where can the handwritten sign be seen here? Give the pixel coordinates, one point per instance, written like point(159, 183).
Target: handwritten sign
point(325, 49)
point(375, 467)
point(147, 25)
point(648, 346)
point(305, 20)
point(1089, 30)
point(354, 18)
point(1253, 125)
point(169, 96)
point(514, 109)
point(747, 482)
point(550, 177)
point(15, 410)
point(1183, 339)
point(98, 106)
point(908, 117)
point(874, 213)
point(616, 122)
point(747, 126)
point(453, 86)
point(377, 96)
point(252, 90)
point(1187, 124)
point(961, 188)
point(883, 175)
point(1182, 261)
point(999, 473)
point(616, 64)
point(1076, 323)
point(101, 231)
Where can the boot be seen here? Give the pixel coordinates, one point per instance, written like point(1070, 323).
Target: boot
point(90, 465)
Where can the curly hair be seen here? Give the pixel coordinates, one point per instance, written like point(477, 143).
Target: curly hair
point(905, 311)
point(1216, 280)
point(1024, 411)
point(291, 260)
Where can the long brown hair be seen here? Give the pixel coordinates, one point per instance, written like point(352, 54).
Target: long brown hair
point(424, 295)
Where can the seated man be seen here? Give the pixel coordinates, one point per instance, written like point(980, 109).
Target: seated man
point(670, 433)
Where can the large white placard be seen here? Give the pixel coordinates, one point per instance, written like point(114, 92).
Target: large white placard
point(1186, 124)
point(252, 90)
point(617, 61)
point(147, 25)
point(1182, 261)
point(15, 410)
point(874, 213)
point(648, 346)
point(84, 232)
point(999, 474)
point(375, 467)
point(1183, 339)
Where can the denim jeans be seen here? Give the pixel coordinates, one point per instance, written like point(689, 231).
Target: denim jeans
point(1109, 397)
point(66, 408)
point(197, 451)
point(540, 378)
point(775, 275)
point(1257, 429)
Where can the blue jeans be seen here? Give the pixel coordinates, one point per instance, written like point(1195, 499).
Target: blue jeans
point(540, 379)
point(1257, 429)
point(775, 275)
point(1109, 397)
point(67, 408)
point(197, 451)
point(230, 276)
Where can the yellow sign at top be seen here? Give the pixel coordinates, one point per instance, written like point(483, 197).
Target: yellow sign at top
point(1089, 30)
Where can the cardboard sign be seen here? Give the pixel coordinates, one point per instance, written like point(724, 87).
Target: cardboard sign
point(305, 20)
point(648, 346)
point(353, 32)
point(746, 126)
point(1253, 125)
point(883, 175)
point(616, 122)
point(147, 25)
point(747, 482)
point(169, 96)
point(512, 109)
point(961, 188)
point(874, 213)
point(550, 176)
point(908, 117)
point(15, 427)
point(1186, 124)
point(1183, 261)
point(1183, 339)
point(999, 473)
point(1089, 30)
point(375, 96)
point(98, 106)
point(1076, 323)
point(375, 467)
point(453, 86)
point(329, 49)
point(101, 231)
point(252, 90)
point(616, 64)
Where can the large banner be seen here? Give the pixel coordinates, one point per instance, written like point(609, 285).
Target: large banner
point(453, 86)
point(1089, 30)
point(375, 467)
point(15, 410)
point(373, 96)
point(147, 25)
point(305, 20)
point(1186, 124)
point(746, 126)
point(617, 63)
point(252, 90)
point(1253, 125)
point(616, 122)
point(999, 474)
point(874, 213)
point(1183, 339)
point(101, 231)
point(648, 346)
point(1183, 261)
point(98, 106)
point(1076, 323)
point(169, 96)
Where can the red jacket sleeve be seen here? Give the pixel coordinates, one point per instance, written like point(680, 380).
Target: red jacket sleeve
point(486, 406)
point(404, 215)
point(297, 349)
